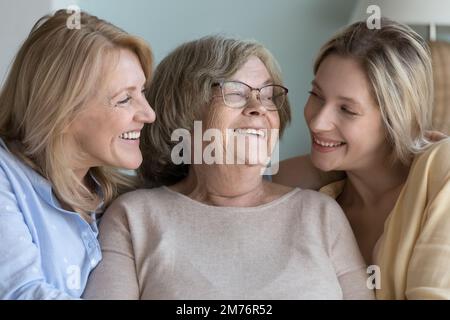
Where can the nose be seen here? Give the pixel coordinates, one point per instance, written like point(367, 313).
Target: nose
point(145, 113)
point(322, 119)
point(254, 106)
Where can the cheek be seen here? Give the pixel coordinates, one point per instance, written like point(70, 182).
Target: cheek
point(374, 128)
point(117, 122)
point(353, 137)
point(367, 135)
point(84, 131)
point(106, 131)
point(275, 120)
point(219, 118)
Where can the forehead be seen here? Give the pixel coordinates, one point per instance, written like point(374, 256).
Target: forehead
point(253, 72)
point(125, 70)
point(344, 76)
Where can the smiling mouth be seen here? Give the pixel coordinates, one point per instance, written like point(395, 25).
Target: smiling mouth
point(328, 144)
point(261, 133)
point(131, 135)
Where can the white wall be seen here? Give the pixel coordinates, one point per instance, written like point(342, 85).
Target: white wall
point(17, 19)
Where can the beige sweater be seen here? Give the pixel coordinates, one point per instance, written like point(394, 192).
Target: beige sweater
point(159, 244)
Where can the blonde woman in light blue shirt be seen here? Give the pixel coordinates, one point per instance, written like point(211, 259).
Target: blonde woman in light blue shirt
point(71, 111)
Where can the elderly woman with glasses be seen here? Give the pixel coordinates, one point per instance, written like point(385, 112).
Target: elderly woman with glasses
point(211, 227)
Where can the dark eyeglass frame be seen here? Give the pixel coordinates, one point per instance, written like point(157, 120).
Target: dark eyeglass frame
point(272, 107)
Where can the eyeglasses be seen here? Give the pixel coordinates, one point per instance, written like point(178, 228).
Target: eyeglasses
point(237, 94)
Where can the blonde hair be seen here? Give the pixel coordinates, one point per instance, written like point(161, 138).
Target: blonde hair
point(55, 72)
point(397, 62)
point(180, 90)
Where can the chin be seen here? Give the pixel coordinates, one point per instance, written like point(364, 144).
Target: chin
point(324, 165)
point(130, 164)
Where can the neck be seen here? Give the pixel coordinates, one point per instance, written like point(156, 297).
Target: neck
point(368, 187)
point(82, 175)
point(224, 185)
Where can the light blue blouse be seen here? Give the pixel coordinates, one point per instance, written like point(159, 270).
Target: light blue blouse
point(46, 252)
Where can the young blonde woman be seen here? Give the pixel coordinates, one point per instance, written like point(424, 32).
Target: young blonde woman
point(71, 110)
point(369, 107)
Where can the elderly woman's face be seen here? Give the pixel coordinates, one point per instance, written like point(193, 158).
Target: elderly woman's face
point(106, 132)
point(252, 123)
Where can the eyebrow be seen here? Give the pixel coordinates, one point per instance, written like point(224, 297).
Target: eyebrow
point(268, 81)
point(350, 100)
point(131, 88)
point(315, 84)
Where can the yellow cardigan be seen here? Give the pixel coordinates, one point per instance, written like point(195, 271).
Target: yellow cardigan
point(414, 251)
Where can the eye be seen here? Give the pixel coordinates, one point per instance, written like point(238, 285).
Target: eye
point(235, 94)
point(312, 93)
point(345, 109)
point(124, 101)
point(234, 88)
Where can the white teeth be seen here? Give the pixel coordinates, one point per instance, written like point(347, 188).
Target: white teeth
point(131, 135)
point(258, 132)
point(328, 144)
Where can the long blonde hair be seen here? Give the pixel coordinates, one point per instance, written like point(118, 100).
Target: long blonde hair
point(55, 72)
point(397, 62)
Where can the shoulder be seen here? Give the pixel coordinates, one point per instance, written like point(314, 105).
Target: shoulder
point(137, 203)
point(15, 175)
point(7, 159)
point(15, 170)
point(142, 197)
point(435, 160)
point(318, 200)
point(439, 151)
point(321, 220)
point(319, 208)
point(138, 212)
point(333, 189)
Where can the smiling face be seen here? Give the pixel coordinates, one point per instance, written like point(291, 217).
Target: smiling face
point(344, 121)
point(106, 131)
point(252, 123)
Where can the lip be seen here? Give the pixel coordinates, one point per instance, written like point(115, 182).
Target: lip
point(251, 127)
point(323, 139)
point(132, 130)
point(263, 129)
point(322, 149)
point(130, 142)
